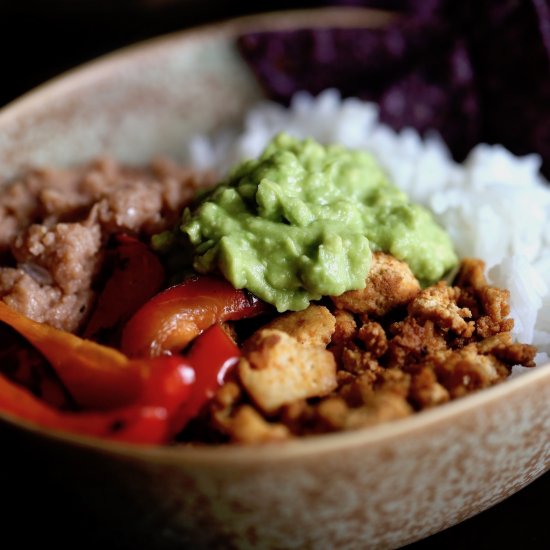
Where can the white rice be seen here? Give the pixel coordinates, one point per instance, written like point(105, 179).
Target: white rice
point(495, 205)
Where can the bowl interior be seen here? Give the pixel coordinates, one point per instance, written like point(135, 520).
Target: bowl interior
point(147, 99)
point(150, 99)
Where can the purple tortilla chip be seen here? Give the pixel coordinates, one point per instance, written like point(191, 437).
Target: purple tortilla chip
point(352, 60)
point(543, 16)
point(439, 96)
point(422, 8)
point(511, 55)
point(473, 71)
point(414, 69)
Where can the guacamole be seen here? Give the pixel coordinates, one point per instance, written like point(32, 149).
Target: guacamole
point(302, 221)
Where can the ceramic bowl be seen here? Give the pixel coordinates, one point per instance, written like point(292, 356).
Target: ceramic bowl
point(377, 488)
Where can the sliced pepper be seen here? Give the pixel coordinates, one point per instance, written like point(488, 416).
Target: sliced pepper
point(97, 377)
point(137, 276)
point(132, 424)
point(213, 355)
point(169, 321)
point(167, 383)
point(25, 365)
point(146, 400)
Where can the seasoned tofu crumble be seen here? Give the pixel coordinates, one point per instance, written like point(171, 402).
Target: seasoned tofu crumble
point(398, 349)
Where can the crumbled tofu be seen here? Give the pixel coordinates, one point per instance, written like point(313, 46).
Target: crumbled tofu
point(390, 283)
point(247, 425)
point(313, 326)
point(438, 303)
point(277, 369)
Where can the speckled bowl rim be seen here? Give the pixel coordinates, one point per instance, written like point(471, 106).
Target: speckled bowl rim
point(223, 455)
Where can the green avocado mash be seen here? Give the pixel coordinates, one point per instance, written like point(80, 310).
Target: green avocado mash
point(301, 222)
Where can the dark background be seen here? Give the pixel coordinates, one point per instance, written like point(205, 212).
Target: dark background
point(42, 38)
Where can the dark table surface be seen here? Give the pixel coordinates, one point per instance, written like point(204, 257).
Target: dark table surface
point(40, 39)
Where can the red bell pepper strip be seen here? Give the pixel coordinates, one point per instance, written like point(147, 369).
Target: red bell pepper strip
point(167, 383)
point(137, 424)
point(137, 276)
point(26, 366)
point(96, 376)
point(173, 318)
point(213, 355)
point(141, 400)
point(101, 378)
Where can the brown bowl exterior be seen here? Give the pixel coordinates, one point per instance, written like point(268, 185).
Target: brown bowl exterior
point(377, 488)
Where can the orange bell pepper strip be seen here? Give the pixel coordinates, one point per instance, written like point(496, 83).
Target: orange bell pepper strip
point(25, 365)
point(169, 321)
point(166, 384)
point(140, 400)
point(137, 276)
point(96, 376)
point(101, 378)
point(134, 424)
